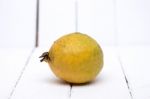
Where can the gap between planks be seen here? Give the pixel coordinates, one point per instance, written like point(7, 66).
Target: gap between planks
point(125, 77)
point(21, 73)
point(116, 45)
point(37, 44)
point(76, 30)
point(70, 91)
point(37, 24)
point(32, 51)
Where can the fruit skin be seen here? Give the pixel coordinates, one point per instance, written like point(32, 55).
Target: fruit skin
point(75, 58)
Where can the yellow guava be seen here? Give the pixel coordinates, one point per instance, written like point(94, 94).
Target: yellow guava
point(75, 58)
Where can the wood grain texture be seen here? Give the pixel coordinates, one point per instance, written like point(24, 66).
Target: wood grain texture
point(38, 82)
point(110, 84)
point(124, 23)
point(11, 65)
point(135, 61)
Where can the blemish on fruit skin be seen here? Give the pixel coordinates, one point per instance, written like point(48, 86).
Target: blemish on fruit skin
point(76, 58)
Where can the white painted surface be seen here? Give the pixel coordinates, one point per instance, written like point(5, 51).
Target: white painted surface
point(17, 23)
point(17, 35)
point(12, 62)
point(57, 18)
point(135, 60)
point(110, 84)
point(96, 18)
point(133, 22)
point(38, 82)
point(122, 22)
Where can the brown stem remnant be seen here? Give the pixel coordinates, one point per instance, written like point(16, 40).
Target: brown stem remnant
point(44, 57)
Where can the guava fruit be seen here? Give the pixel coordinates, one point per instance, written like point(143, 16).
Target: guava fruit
point(75, 58)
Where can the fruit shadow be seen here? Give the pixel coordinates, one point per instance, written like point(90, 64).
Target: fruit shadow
point(57, 81)
point(93, 82)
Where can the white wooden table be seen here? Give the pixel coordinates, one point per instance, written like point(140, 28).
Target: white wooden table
point(120, 26)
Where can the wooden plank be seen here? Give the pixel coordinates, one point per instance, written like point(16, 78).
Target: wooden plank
point(133, 31)
point(110, 84)
point(12, 62)
point(96, 18)
point(38, 82)
point(57, 18)
point(17, 23)
point(17, 34)
point(135, 61)
point(133, 21)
